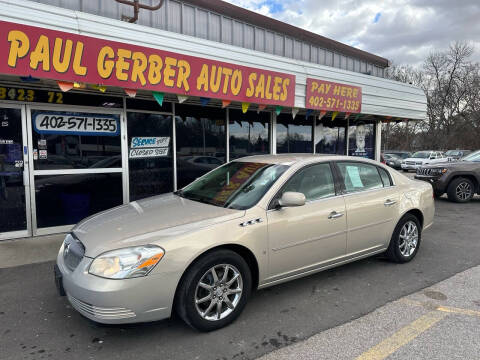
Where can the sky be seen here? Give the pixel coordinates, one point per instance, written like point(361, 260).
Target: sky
point(403, 31)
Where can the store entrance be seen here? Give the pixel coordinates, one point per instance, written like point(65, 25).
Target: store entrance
point(14, 197)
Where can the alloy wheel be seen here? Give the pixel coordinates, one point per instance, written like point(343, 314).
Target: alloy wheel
point(218, 292)
point(463, 191)
point(408, 238)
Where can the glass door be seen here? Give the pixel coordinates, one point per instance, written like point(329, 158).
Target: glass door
point(14, 196)
point(76, 168)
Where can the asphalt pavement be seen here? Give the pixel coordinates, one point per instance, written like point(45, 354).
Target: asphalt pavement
point(37, 324)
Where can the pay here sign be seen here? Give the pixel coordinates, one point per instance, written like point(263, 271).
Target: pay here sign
point(330, 96)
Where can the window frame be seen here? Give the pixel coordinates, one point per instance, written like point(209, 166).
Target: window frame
point(341, 180)
point(338, 190)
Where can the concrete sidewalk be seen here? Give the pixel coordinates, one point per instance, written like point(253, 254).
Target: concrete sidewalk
point(29, 250)
point(440, 322)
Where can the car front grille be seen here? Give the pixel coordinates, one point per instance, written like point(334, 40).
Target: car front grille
point(105, 313)
point(410, 162)
point(73, 251)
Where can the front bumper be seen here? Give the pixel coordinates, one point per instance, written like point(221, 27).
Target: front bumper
point(108, 301)
point(437, 182)
point(410, 166)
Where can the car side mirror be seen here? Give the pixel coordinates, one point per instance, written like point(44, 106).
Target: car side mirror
point(291, 199)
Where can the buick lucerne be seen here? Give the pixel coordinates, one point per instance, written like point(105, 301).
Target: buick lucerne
point(249, 224)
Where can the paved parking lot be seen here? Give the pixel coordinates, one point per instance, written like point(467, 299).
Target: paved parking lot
point(37, 324)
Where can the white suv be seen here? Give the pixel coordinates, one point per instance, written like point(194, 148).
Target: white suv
point(421, 158)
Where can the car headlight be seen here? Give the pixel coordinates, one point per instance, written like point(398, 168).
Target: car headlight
point(127, 263)
point(438, 171)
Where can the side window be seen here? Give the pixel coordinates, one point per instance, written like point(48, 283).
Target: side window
point(385, 177)
point(360, 176)
point(315, 182)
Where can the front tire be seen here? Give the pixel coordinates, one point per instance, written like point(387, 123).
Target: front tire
point(460, 190)
point(214, 290)
point(405, 240)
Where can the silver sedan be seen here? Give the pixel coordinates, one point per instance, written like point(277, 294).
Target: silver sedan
point(249, 224)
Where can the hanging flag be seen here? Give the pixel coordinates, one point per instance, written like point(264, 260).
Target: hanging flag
point(347, 115)
point(131, 92)
point(245, 106)
point(225, 103)
point(334, 115)
point(100, 88)
point(204, 101)
point(261, 107)
point(357, 117)
point(294, 112)
point(322, 114)
point(278, 109)
point(182, 98)
point(309, 112)
point(65, 85)
point(159, 97)
point(77, 85)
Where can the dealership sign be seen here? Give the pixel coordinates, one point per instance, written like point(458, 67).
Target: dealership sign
point(44, 53)
point(330, 96)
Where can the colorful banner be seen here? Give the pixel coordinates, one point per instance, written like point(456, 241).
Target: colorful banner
point(43, 53)
point(330, 96)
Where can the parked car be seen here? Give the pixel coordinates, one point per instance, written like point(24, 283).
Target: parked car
point(459, 179)
point(456, 154)
point(252, 223)
point(400, 154)
point(393, 161)
point(421, 158)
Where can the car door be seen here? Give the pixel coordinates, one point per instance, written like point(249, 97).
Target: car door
point(371, 204)
point(301, 238)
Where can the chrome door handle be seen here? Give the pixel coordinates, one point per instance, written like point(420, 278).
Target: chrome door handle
point(334, 215)
point(389, 202)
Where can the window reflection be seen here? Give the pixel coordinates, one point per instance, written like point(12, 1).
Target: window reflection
point(249, 133)
point(294, 135)
point(361, 140)
point(329, 139)
point(68, 149)
point(200, 137)
point(67, 199)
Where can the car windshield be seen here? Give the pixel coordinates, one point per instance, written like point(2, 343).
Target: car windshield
point(236, 185)
point(452, 153)
point(421, 155)
point(475, 156)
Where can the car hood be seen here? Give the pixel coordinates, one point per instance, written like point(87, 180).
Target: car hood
point(128, 225)
point(456, 165)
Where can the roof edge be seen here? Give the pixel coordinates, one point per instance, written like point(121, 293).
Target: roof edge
point(253, 18)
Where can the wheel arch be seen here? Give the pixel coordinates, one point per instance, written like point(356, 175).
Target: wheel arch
point(241, 250)
point(417, 213)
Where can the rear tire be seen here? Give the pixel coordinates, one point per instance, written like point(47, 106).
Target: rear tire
point(461, 190)
point(207, 299)
point(405, 240)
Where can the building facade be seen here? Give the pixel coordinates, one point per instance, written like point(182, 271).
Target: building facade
point(96, 112)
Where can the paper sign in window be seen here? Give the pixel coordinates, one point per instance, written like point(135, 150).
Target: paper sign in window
point(354, 176)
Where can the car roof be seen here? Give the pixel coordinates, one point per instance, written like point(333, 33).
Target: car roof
point(290, 159)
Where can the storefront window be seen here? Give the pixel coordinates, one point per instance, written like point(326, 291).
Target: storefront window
point(249, 133)
point(294, 135)
point(329, 138)
point(150, 158)
point(361, 140)
point(200, 137)
point(12, 191)
point(67, 199)
point(73, 140)
point(152, 105)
